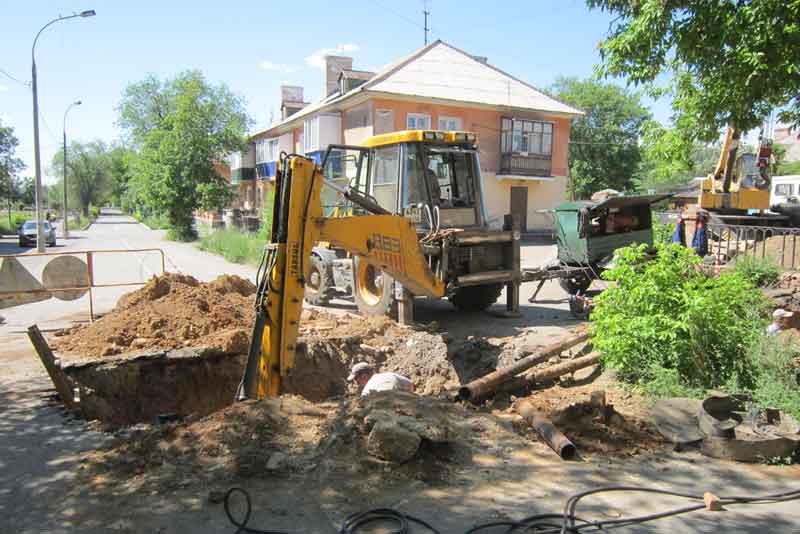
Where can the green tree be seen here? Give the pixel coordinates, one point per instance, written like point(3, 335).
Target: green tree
point(10, 165)
point(121, 163)
point(731, 61)
point(88, 173)
point(667, 165)
point(181, 126)
point(604, 143)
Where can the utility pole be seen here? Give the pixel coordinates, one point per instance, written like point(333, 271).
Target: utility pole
point(66, 213)
point(426, 13)
point(36, 156)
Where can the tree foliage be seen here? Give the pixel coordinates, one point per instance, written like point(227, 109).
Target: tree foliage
point(88, 174)
point(181, 127)
point(604, 143)
point(10, 165)
point(731, 61)
point(667, 164)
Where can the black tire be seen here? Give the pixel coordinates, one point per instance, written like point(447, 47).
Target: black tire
point(319, 283)
point(373, 290)
point(576, 284)
point(475, 298)
point(22, 244)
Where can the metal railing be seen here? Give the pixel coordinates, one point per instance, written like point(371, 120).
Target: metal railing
point(90, 273)
point(730, 241)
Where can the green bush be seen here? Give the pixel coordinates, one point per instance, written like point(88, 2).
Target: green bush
point(760, 271)
point(94, 212)
point(667, 314)
point(662, 233)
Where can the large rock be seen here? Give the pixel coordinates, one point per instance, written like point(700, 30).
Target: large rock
point(388, 440)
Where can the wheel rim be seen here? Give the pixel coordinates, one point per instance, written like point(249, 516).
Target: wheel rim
point(370, 284)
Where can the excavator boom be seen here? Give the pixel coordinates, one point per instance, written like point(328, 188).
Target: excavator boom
point(387, 241)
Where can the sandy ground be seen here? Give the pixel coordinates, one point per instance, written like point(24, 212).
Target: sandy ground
point(39, 490)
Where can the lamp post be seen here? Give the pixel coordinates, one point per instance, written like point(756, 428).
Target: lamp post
point(36, 156)
point(64, 131)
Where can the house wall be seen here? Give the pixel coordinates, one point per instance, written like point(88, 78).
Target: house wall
point(542, 193)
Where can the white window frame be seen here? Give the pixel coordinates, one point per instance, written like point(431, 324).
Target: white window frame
point(445, 119)
point(310, 134)
point(261, 151)
point(417, 117)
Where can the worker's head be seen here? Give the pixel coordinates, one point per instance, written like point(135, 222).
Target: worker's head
point(360, 373)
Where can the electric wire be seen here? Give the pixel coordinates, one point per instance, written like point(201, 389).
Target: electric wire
point(12, 78)
point(566, 522)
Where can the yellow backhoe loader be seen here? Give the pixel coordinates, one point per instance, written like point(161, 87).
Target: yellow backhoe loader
point(399, 232)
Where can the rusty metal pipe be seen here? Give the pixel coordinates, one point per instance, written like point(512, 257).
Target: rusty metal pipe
point(547, 430)
point(483, 387)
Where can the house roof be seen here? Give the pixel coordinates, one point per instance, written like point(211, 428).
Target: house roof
point(442, 72)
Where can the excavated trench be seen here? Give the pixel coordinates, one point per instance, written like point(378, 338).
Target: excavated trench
point(145, 388)
point(157, 386)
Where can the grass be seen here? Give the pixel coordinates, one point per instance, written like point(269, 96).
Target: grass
point(17, 218)
point(761, 271)
point(155, 221)
point(78, 223)
point(234, 245)
point(776, 385)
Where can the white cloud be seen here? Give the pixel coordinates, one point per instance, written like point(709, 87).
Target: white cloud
point(317, 58)
point(3, 88)
point(280, 67)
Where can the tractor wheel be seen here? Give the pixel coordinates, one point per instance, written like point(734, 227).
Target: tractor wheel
point(373, 291)
point(476, 298)
point(575, 284)
point(319, 283)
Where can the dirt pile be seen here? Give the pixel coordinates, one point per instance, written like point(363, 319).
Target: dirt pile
point(289, 435)
point(170, 311)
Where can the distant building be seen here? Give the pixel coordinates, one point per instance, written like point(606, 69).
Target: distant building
point(523, 134)
point(790, 141)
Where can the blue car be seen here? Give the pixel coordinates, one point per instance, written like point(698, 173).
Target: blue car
point(27, 234)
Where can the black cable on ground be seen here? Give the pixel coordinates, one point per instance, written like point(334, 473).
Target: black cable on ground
point(548, 523)
point(356, 521)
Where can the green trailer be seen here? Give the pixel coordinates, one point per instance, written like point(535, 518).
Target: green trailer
point(587, 234)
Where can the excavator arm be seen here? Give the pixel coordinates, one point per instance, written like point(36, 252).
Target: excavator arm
point(385, 240)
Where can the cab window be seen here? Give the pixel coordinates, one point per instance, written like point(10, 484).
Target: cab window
point(385, 174)
point(414, 190)
point(451, 177)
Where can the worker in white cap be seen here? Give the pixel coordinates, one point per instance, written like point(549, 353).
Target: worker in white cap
point(781, 320)
point(369, 381)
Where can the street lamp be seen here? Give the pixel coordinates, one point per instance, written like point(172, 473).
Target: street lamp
point(66, 216)
point(36, 156)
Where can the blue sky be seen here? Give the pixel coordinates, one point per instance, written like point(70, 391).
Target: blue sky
point(256, 46)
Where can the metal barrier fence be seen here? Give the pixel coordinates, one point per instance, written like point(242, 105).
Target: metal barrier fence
point(65, 277)
point(781, 244)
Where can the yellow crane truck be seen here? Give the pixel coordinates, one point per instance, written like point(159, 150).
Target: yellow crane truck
point(418, 228)
point(738, 190)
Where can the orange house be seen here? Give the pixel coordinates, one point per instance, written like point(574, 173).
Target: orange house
point(523, 134)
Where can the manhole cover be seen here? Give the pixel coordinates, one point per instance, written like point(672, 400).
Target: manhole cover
point(64, 272)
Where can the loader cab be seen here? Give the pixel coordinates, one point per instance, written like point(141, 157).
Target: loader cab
point(430, 177)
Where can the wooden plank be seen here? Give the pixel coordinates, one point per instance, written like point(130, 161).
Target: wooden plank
point(49, 361)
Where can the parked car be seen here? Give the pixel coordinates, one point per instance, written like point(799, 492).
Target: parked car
point(27, 234)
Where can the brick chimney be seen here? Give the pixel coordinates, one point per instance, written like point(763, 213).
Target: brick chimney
point(334, 65)
point(291, 100)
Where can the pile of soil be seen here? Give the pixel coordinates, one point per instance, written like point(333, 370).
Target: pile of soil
point(290, 435)
point(625, 429)
point(170, 311)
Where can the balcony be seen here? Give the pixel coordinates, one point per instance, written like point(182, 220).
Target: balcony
point(242, 173)
point(525, 164)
